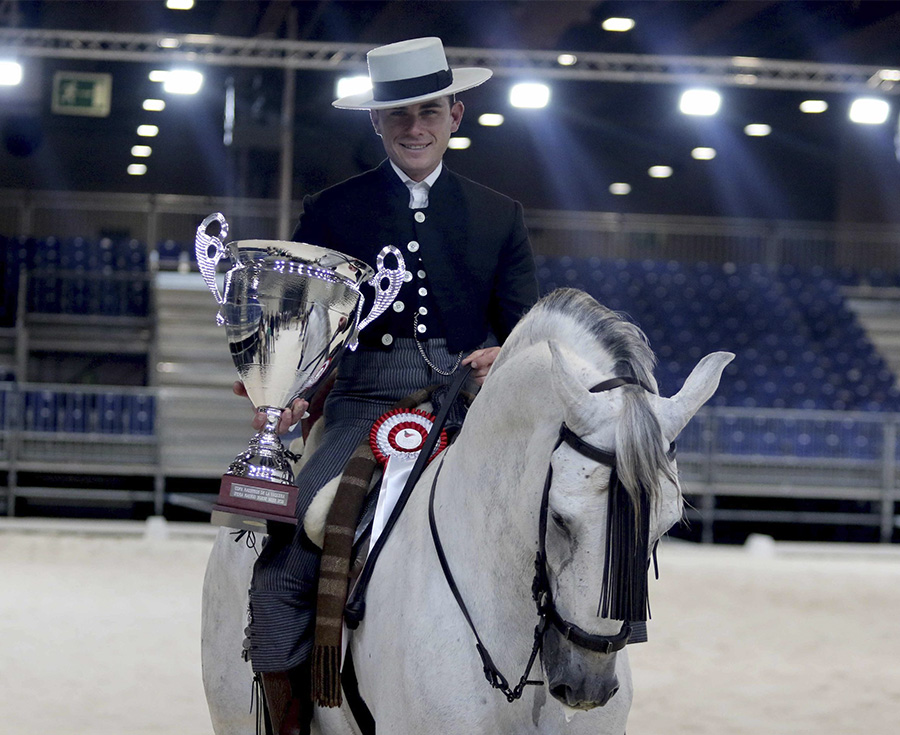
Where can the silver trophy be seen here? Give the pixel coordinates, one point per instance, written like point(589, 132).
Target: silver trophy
point(289, 309)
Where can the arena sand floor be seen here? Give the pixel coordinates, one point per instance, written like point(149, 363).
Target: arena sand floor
point(100, 636)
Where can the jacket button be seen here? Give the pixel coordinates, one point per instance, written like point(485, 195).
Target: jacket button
point(422, 328)
point(407, 276)
point(398, 306)
point(386, 339)
point(423, 291)
point(412, 246)
point(421, 274)
point(419, 216)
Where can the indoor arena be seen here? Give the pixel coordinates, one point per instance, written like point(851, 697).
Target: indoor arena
point(190, 197)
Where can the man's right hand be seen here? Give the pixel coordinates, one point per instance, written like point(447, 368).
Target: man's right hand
point(289, 416)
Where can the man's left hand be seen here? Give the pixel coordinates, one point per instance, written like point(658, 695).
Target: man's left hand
point(481, 361)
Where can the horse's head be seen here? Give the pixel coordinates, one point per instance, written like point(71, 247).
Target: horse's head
point(613, 492)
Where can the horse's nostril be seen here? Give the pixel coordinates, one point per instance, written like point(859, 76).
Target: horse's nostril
point(610, 695)
point(560, 691)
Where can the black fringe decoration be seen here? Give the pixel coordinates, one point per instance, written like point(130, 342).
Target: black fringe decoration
point(624, 594)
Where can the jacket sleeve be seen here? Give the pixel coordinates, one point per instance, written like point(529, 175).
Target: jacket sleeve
point(311, 225)
point(515, 285)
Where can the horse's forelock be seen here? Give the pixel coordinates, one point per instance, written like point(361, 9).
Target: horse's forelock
point(641, 458)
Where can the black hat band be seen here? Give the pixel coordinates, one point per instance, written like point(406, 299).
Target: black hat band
point(415, 87)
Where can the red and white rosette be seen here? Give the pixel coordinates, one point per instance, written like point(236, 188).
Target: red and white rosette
point(401, 433)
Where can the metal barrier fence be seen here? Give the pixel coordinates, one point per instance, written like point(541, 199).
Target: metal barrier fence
point(157, 218)
point(802, 455)
point(723, 453)
point(89, 431)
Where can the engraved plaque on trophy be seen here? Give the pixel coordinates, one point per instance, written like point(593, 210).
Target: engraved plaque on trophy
point(289, 310)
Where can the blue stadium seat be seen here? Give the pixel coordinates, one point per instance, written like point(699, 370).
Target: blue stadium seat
point(140, 415)
point(41, 408)
point(110, 413)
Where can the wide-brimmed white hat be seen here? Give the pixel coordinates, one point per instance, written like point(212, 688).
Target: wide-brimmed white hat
point(410, 72)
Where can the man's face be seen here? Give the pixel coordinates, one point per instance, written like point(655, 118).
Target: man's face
point(415, 137)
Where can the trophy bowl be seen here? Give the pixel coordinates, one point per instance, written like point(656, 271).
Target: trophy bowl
point(289, 310)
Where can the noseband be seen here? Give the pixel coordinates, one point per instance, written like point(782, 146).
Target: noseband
point(631, 631)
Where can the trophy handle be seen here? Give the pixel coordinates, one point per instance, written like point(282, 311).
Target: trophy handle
point(205, 242)
point(384, 297)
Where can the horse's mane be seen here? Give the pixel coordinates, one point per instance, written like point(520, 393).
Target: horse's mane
point(600, 336)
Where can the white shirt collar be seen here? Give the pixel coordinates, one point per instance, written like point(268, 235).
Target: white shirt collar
point(418, 190)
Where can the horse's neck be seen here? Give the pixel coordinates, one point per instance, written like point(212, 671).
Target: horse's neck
point(490, 487)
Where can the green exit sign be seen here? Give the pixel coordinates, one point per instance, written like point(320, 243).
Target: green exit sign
point(81, 93)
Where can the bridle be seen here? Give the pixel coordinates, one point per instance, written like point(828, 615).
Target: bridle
point(540, 588)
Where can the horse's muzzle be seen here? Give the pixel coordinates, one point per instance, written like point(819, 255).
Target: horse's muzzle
point(577, 677)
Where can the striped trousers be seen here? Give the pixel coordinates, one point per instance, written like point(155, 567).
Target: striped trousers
point(285, 577)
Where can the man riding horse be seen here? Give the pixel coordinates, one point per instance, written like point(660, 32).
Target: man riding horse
point(471, 277)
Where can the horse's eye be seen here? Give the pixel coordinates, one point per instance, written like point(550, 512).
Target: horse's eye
point(559, 522)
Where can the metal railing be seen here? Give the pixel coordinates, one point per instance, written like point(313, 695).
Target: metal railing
point(93, 431)
point(157, 218)
point(723, 453)
point(804, 455)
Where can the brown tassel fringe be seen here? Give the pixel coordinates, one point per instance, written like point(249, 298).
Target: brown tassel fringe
point(334, 575)
point(326, 682)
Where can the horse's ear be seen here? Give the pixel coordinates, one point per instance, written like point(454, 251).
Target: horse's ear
point(674, 413)
point(566, 383)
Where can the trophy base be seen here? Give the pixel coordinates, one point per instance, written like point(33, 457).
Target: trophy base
point(252, 504)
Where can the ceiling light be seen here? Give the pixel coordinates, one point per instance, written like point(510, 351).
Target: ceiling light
point(183, 81)
point(490, 119)
point(148, 131)
point(620, 188)
point(660, 172)
point(889, 75)
point(158, 75)
point(566, 59)
point(757, 130)
point(154, 105)
point(532, 95)
point(459, 144)
point(700, 102)
point(869, 111)
point(179, 4)
point(813, 106)
point(617, 25)
point(10, 73)
point(703, 154)
point(141, 151)
point(353, 85)
point(137, 169)
point(168, 43)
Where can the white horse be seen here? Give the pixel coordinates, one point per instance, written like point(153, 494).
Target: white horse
point(416, 662)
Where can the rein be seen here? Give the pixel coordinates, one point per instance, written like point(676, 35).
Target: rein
point(540, 588)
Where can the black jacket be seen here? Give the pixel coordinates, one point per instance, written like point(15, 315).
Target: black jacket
point(472, 242)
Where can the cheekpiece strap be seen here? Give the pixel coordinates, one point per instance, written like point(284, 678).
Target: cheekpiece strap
point(415, 87)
